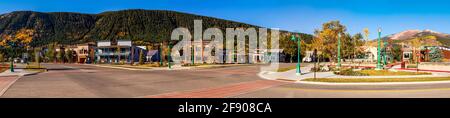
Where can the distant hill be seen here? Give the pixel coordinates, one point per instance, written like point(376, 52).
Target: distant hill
point(138, 25)
point(407, 35)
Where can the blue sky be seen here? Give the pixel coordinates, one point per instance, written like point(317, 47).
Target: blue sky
point(293, 15)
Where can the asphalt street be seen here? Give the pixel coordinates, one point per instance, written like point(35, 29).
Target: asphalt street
point(78, 80)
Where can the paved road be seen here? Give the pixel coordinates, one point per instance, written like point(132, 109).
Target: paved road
point(73, 80)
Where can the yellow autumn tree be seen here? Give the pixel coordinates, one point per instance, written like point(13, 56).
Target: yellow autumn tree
point(366, 36)
point(15, 43)
point(329, 33)
point(366, 33)
point(22, 36)
point(25, 36)
point(417, 42)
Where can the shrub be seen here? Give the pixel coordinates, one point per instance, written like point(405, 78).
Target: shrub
point(411, 66)
point(350, 72)
point(321, 69)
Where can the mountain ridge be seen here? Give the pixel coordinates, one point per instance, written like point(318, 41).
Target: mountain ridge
point(407, 35)
point(139, 25)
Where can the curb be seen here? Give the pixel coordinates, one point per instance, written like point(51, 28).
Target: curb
point(374, 83)
point(260, 74)
point(423, 70)
point(20, 75)
point(147, 69)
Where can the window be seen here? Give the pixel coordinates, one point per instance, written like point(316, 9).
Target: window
point(406, 55)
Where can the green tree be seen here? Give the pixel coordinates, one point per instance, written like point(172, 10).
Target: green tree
point(435, 54)
point(2, 58)
point(50, 53)
point(289, 47)
point(37, 56)
point(329, 33)
point(60, 56)
point(358, 42)
point(347, 46)
point(396, 52)
point(17, 43)
point(69, 55)
point(318, 44)
point(417, 42)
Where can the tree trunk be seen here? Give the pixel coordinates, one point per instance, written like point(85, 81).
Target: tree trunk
point(132, 55)
point(291, 58)
point(354, 56)
point(118, 54)
point(418, 61)
point(318, 62)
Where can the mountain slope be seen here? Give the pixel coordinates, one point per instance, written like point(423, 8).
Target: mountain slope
point(138, 25)
point(407, 35)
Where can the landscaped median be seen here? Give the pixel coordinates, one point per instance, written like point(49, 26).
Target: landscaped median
point(349, 76)
point(368, 80)
point(350, 72)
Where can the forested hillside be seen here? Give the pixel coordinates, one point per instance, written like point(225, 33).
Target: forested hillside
point(141, 26)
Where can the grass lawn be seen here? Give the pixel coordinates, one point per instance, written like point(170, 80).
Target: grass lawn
point(391, 73)
point(35, 67)
point(354, 80)
point(350, 72)
point(411, 66)
point(286, 68)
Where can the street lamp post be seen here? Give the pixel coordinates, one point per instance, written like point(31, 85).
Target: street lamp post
point(13, 51)
point(294, 38)
point(160, 54)
point(384, 56)
point(11, 65)
point(339, 51)
point(378, 50)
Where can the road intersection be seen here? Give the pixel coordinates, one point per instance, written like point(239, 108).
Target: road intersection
point(79, 80)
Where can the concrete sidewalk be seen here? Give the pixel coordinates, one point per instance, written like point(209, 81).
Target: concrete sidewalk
point(17, 72)
point(6, 82)
point(7, 78)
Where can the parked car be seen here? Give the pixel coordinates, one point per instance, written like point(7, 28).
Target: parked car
point(16, 60)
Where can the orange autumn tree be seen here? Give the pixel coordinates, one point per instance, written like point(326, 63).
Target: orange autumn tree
point(22, 36)
point(25, 36)
point(15, 43)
